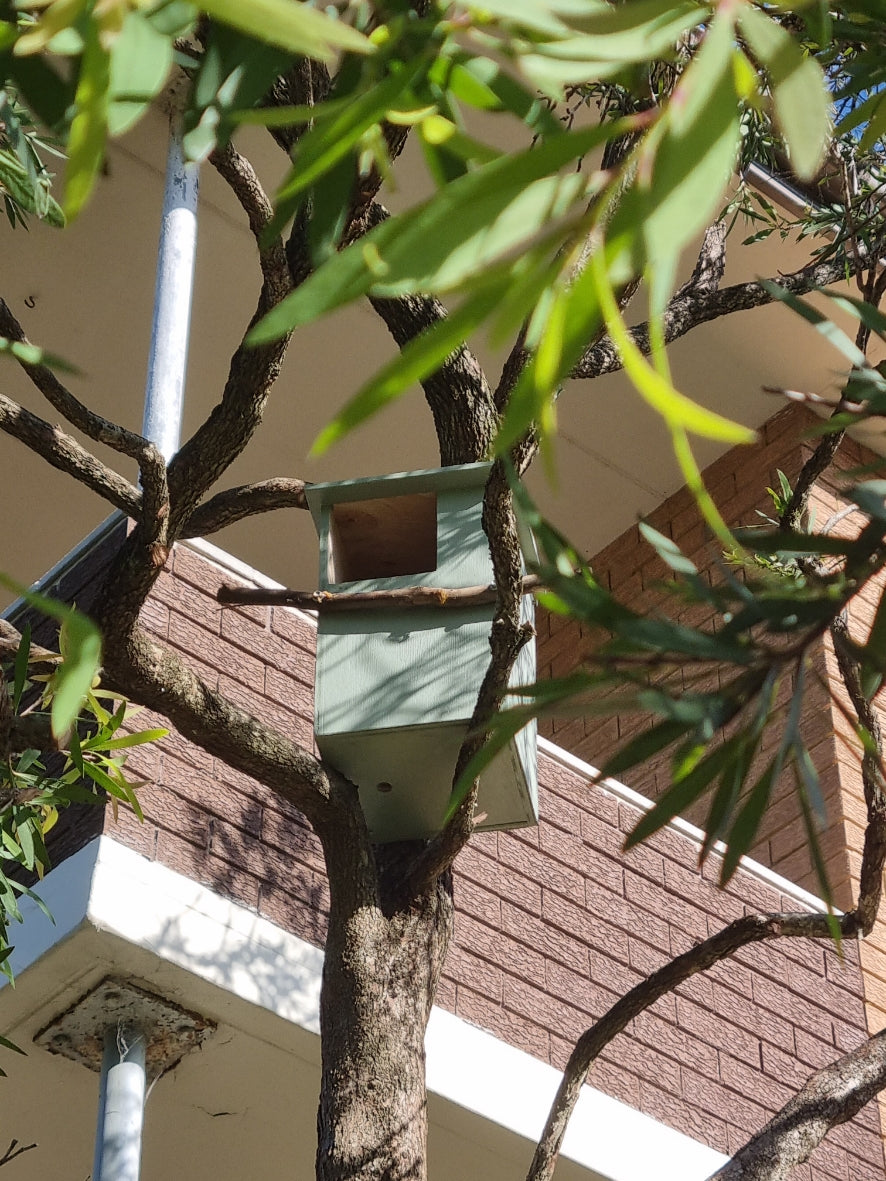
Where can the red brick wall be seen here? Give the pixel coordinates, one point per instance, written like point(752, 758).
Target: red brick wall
point(632, 570)
point(553, 924)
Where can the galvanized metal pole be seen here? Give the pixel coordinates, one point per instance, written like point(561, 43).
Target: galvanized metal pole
point(170, 329)
point(121, 1106)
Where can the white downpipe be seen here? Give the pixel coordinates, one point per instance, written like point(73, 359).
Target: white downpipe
point(170, 329)
point(121, 1106)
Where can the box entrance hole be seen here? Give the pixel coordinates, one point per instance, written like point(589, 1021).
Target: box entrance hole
point(383, 537)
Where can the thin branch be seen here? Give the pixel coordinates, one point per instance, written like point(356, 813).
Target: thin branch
point(153, 675)
point(413, 596)
point(11, 638)
point(508, 636)
point(247, 500)
point(739, 934)
point(830, 1097)
point(65, 453)
point(253, 369)
point(152, 466)
point(218, 441)
point(873, 860)
point(688, 309)
point(457, 392)
point(93, 425)
point(244, 183)
point(14, 1150)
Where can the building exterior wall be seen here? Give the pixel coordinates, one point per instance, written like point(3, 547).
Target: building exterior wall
point(553, 924)
point(630, 568)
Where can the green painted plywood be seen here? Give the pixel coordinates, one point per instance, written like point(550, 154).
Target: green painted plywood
point(396, 689)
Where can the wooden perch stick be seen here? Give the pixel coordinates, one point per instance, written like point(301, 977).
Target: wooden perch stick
point(413, 596)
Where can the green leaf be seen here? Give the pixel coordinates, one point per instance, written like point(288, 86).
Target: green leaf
point(80, 642)
point(800, 99)
point(483, 83)
point(4, 1041)
point(22, 657)
point(22, 188)
point(295, 27)
point(26, 842)
point(668, 550)
point(114, 783)
point(683, 166)
point(680, 796)
point(611, 37)
point(741, 835)
point(449, 239)
point(80, 645)
point(86, 141)
point(644, 746)
point(141, 57)
point(675, 408)
point(420, 357)
point(861, 310)
point(137, 739)
point(35, 898)
point(30, 354)
point(784, 541)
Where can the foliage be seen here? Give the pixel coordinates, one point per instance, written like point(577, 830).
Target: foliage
point(24, 180)
point(545, 244)
point(504, 237)
point(65, 707)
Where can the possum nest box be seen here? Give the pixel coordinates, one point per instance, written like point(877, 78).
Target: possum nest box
point(396, 687)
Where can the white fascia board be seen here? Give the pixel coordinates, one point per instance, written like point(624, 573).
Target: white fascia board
point(109, 889)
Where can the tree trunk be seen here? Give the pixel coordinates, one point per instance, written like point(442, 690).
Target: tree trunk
point(383, 961)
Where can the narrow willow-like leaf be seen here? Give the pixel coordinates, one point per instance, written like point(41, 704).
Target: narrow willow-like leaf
point(22, 658)
point(680, 796)
point(799, 95)
point(295, 27)
point(421, 356)
point(741, 835)
point(674, 407)
point(86, 142)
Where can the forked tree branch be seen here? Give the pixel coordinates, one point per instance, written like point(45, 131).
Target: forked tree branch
point(65, 453)
point(247, 500)
point(15, 1150)
point(253, 369)
point(740, 933)
point(93, 425)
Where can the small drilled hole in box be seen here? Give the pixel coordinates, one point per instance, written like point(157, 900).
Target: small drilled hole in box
point(383, 537)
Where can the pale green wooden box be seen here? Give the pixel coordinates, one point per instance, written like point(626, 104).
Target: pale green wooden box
point(395, 688)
